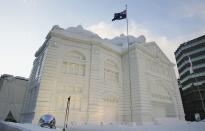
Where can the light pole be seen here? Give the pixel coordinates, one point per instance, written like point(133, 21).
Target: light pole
point(192, 73)
point(67, 113)
point(201, 98)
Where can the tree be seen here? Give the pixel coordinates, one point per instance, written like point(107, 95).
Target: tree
point(10, 118)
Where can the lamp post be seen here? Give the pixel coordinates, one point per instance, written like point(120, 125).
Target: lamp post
point(67, 113)
point(200, 95)
point(192, 73)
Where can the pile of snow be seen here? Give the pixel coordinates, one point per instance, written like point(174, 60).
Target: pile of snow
point(80, 32)
point(168, 121)
point(194, 126)
point(160, 124)
point(29, 127)
point(173, 126)
point(122, 40)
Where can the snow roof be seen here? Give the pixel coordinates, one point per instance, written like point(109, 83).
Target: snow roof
point(118, 44)
point(122, 40)
point(79, 30)
point(119, 41)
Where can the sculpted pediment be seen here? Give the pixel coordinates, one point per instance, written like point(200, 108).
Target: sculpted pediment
point(156, 52)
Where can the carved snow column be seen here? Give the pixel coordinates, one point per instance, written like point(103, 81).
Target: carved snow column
point(119, 92)
point(95, 113)
point(142, 108)
point(112, 95)
point(25, 103)
point(176, 94)
point(126, 102)
point(30, 98)
point(26, 114)
point(44, 103)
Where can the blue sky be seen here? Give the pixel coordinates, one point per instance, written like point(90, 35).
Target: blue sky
point(24, 24)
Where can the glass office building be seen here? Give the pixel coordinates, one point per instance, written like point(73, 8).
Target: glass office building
point(192, 85)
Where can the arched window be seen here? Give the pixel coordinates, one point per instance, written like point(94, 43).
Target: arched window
point(111, 72)
point(74, 63)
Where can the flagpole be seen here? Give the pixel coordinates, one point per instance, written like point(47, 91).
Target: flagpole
point(202, 101)
point(129, 65)
point(67, 113)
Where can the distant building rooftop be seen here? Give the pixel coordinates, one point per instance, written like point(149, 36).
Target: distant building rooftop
point(17, 77)
point(189, 42)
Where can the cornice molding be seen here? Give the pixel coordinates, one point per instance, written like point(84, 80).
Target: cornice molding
point(60, 34)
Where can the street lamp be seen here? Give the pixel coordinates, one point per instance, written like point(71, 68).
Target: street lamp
point(192, 73)
point(67, 113)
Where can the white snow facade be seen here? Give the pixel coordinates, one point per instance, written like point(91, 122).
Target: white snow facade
point(95, 73)
point(12, 91)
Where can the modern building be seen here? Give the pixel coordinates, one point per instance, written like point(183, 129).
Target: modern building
point(192, 85)
point(12, 90)
point(105, 86)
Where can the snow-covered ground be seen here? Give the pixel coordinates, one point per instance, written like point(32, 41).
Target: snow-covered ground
point(28, 127)
point(158, 126)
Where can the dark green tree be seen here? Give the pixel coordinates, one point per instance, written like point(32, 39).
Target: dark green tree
point(10, 117)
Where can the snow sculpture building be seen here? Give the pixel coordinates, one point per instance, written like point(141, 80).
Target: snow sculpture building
point(12, 90)
point(95, 73)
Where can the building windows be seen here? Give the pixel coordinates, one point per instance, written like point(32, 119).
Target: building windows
point(38, 68)
point(111, 99)
point(159, 92)
point(111, 72)
point(38, 71)
point(74, 64)
point(75, 69)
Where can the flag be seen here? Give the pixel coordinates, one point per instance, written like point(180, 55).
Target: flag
point(191, 68)
point(119, 16)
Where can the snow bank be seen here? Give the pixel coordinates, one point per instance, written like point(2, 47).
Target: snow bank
point(173, 126)
point(199, 126)
point(29, 127)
